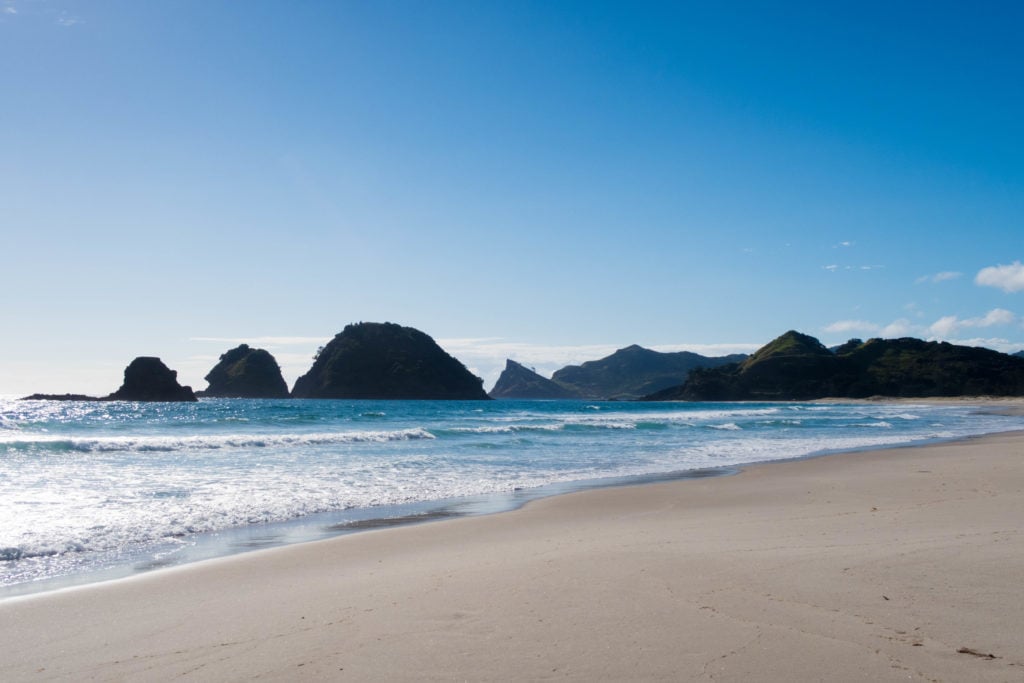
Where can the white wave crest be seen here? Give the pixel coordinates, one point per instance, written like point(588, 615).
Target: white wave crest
point(208, 442)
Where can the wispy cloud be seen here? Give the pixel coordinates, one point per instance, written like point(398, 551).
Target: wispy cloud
point(847, 326)
point(898, 328)
point(945, 328)
point(833, 267)
point(996, 343)
point(10, 10)
point(265, 341)
point(949, 325)
point(1009, 278)
point(938, 277)
point(843, 245)
point(65, 19)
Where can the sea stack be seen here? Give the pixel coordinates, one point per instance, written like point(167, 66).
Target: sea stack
point(148, 379)
point(387, 361)
point(245, 372)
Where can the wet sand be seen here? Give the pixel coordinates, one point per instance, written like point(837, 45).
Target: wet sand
point(901, 564)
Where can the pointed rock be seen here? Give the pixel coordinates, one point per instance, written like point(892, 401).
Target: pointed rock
point(517, 381)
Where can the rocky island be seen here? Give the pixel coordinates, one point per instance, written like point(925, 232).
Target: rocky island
point(145, 379)
point(245, 372)
point(387, 361)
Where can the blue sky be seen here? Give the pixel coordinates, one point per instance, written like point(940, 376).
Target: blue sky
point(545, 181)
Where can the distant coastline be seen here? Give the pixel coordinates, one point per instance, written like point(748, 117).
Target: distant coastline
point(389, 361)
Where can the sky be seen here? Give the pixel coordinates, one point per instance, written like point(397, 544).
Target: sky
point(543, 181)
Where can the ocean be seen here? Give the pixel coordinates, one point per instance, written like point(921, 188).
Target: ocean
point(97, 490)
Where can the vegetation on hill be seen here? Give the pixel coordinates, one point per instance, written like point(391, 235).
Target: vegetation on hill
point(798, 367)
point(633, 372)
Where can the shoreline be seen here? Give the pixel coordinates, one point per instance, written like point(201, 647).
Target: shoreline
point(320, 526)
point(866, 564)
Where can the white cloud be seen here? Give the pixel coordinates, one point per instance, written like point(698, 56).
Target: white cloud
point(996, 343)
point(944, 326)
point(1009, 278)
point(10, 10)
point(845, 326)
point(997, 316)
point(65, 19)
point(835, 267)
point(938, 277)
point(898, 328)
point(844, 245)
point(266, 341)
point(950, 324)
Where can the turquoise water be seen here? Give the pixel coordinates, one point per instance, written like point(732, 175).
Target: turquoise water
point(90, 490)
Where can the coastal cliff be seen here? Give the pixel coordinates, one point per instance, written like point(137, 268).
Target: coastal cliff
point(386, 361)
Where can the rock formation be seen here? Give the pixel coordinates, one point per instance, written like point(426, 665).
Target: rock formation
point(386, 361)
point(60, 397)
point(798, 367)
point(517, 381)
point(244, 372)
point(148, 379)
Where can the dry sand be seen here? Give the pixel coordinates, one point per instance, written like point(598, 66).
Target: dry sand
point(904, 564)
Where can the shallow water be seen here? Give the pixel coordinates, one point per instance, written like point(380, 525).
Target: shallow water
point(93, 490)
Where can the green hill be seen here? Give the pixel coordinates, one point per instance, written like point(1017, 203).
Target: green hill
point(633, 372)
point(798, 367)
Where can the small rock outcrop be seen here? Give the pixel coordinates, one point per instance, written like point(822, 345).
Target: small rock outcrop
point(244, 372)
point(147, 379)
point(517, 381)
point(59, 397)
point(387, 361)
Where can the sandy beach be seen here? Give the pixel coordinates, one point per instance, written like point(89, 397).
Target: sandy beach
point(902, 564)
